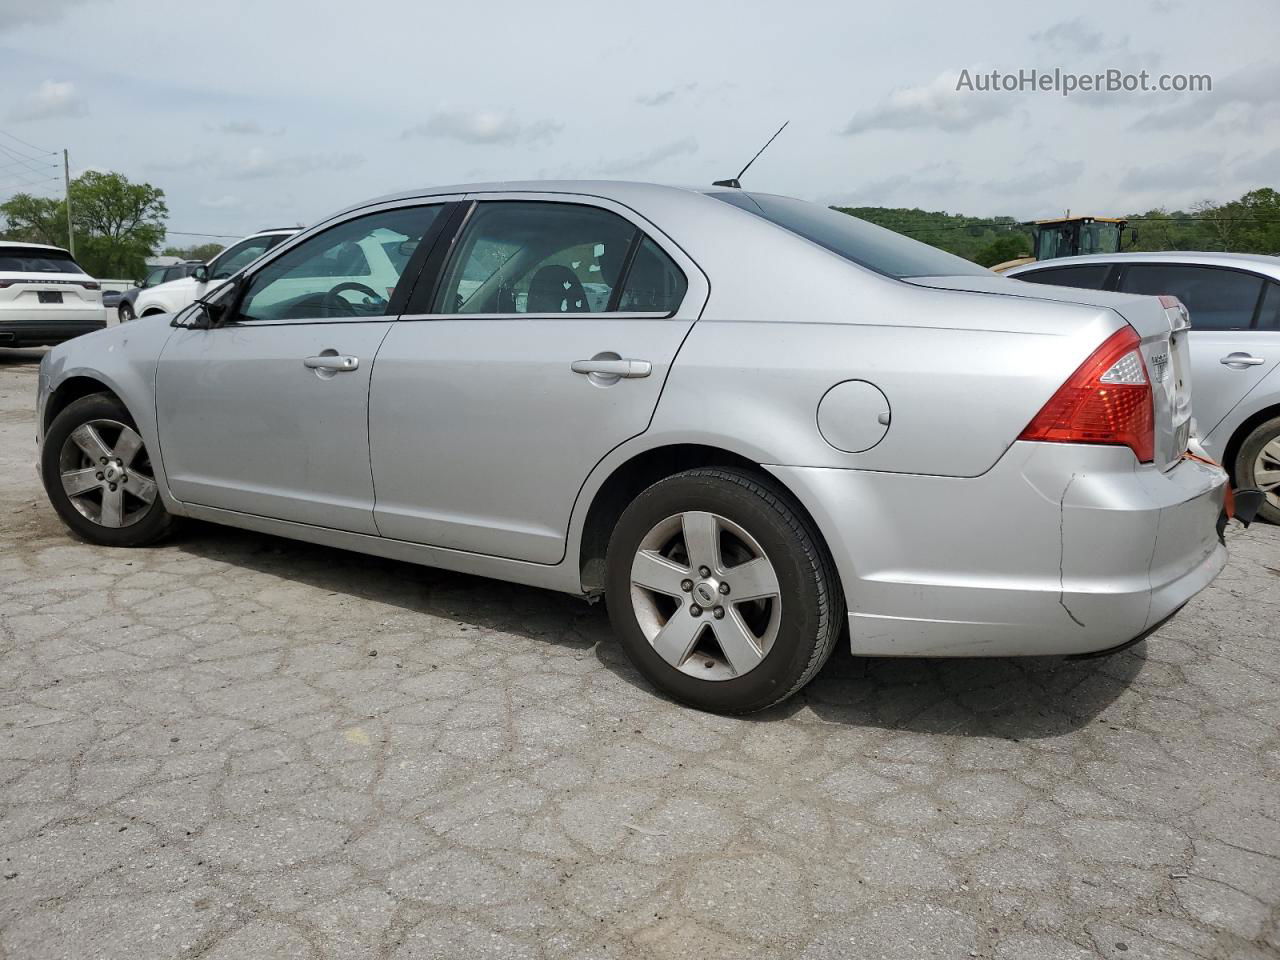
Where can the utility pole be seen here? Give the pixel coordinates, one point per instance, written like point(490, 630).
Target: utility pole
point(66, 175)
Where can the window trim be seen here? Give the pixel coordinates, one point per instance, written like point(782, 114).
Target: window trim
point(1257, 303)
point(399, 298)
point(697, 286)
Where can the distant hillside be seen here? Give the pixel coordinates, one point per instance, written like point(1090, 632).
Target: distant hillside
point(1248, 225)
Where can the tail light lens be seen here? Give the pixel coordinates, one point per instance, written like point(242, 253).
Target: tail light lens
point(1107, 400)
point(90, 285)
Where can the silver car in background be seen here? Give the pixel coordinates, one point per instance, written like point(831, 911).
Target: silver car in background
point(746, 421)
point(1234, 301)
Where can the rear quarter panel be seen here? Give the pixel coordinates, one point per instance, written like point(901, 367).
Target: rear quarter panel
point(963, 374)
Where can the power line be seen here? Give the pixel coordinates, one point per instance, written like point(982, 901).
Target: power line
point(25, 143)
point(216, 236)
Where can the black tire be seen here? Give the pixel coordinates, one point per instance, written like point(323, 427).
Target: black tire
point(124, 312)
point(1247, 459)
point(812, 603)
point(151, 526)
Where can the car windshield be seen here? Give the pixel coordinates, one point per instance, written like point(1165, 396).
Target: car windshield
point(36, 260)
point(857, 240)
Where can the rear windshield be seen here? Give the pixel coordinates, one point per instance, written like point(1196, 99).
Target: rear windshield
point(35, 260)
point(864, 243)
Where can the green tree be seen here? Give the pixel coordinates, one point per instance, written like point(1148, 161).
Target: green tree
point(1011, 246)
point(35, 219)
point(122, 222)
point(118, 224)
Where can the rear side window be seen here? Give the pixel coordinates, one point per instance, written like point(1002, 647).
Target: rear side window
point(541, 257)
point(654, 283)
point(1218, 299)
point(35, 260)
point(1088, 276)
point(1269, 315)
point(863, 243)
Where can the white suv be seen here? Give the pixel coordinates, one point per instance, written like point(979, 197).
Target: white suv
point(45, 296)
point(173, 296)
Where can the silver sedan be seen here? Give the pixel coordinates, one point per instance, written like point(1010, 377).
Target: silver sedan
point(754, 426)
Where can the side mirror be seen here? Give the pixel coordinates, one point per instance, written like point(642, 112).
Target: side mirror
point(201, 273)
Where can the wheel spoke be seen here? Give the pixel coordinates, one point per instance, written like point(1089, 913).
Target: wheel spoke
point(737, 642)
point(128, 445)
point(753, 580)
point(76, 482)
point(675, 641)
point(653, 572)
point(112, 508)
point(90, 442)
point(1271, 451)
point(702, 539)
point(142, 487)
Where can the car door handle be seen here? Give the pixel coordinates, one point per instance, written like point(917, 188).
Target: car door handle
point(334, 362)
point(614, 368)
point(1241, 360)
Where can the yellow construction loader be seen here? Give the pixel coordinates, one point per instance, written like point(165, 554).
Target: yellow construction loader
point(1069, 237)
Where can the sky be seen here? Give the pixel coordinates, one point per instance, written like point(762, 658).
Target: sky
point(272, 113)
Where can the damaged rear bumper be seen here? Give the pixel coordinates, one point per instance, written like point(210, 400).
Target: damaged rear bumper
point(1058, 549)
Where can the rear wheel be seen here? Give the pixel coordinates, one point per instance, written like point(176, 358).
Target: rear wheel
point(720, 591)
point(125, 311)
point(98, 475)
point(1258, 465)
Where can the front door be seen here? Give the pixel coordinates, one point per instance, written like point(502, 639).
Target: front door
point(1230, 354)
point(546, 345)
point(267, 412)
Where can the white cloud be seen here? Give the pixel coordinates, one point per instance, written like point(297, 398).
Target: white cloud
point(935, 105)
point(20, 13)
point(1237, 101)
point(1195, 171)
point(650, 158)
point(1076, 37)
point(51, 99)
point(663, 97)
point(225, 202)
point(484, 127)
point(258, 164)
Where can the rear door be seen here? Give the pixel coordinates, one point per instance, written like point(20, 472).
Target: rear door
point(542, 343)
point(1230, 354)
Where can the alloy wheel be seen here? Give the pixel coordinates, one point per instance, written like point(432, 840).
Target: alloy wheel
point(705, 595)
point(1266, 471)
point(106, 473)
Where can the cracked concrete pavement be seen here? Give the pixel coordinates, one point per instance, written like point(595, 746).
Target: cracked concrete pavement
point(234, 746)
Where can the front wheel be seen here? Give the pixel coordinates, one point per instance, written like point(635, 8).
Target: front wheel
point(1258, 466)
point(720, 591)
point(124, 311)
point(98, 475)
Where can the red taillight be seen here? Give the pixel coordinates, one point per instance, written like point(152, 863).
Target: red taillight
point(8, 283)
point(1107, 400)
point(90, 284)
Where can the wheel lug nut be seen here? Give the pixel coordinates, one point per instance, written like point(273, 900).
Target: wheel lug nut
point(113, 488)
point(685, 585)
point(724, 588)
point(102, 459)
point(704, 571)
point(98, 475)
point(719, 612)
point(696, 610)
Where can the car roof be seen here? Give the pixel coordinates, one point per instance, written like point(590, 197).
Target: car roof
point(31, 246)
point(1259, 262)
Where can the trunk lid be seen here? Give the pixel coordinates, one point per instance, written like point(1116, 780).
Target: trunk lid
point(22, 291)
point(1161, 323)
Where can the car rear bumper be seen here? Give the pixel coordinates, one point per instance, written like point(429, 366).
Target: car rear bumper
point(50, 330)
point(1058, 549)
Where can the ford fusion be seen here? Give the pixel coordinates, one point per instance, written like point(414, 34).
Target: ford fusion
point(753, 425)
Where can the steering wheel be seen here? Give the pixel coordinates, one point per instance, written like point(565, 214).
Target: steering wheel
point(335, 306)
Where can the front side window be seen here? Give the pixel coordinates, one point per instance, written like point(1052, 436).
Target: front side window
point(536, 257)
point(1217, 299)
point(1087, 276)
point(37, 260)
point(154, 278)
point(856, 240)
point(351, 270)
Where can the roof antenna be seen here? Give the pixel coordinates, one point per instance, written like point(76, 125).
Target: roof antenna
point(736, 182)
